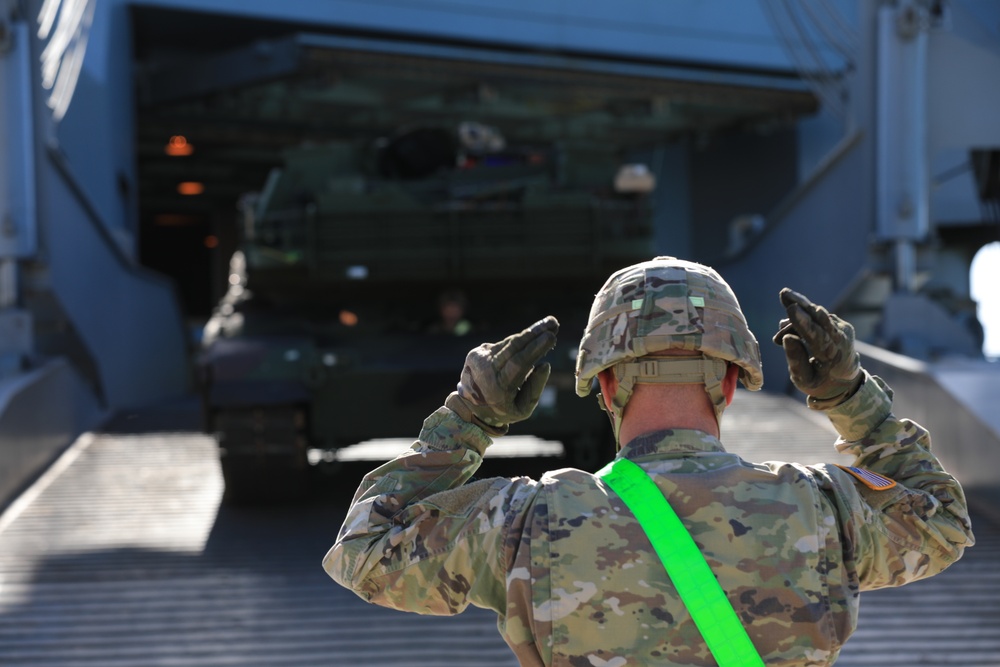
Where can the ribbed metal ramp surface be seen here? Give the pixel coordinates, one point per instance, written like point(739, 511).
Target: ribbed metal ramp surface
point(122, 555)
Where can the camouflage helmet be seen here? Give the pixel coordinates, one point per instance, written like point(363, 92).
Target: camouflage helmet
point(666, 304)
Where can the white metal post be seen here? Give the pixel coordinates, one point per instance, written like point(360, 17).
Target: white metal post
point(903, 198)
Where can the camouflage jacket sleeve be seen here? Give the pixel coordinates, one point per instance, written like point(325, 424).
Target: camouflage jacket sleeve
point(901, 534)
point(418, 537)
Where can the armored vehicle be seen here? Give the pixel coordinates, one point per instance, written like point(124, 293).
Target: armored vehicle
point(454, 204)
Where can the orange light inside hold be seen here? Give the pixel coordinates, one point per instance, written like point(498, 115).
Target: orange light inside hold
point(190, 188)
point(211, 241)
point(348, 319)
point(178, 146)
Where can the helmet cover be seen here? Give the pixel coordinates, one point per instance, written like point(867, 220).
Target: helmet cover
point(666, 304)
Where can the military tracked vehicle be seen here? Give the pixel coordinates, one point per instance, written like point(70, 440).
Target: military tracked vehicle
point(468, 208)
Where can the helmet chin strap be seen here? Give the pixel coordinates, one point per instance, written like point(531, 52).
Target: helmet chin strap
point(665, 370)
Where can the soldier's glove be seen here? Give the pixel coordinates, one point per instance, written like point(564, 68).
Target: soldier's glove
point(819, 348)
point(501, 383)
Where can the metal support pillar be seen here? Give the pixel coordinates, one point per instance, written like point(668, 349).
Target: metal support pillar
point(18, 234)
point(903, 197)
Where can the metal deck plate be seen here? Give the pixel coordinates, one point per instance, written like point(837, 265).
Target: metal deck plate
point(122, 555)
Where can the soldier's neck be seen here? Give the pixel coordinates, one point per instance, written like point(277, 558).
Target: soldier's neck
point(654, 408)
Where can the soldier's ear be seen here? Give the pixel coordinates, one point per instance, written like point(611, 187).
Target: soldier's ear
point(729, 382)
point(609, 385)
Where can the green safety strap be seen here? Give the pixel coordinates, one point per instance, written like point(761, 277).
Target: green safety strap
point(692, 577)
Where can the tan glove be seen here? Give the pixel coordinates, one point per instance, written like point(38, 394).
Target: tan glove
point(501, 383)
point(819, 348)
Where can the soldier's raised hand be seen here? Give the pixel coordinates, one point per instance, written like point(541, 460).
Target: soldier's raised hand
point(502, 382)
point(819, 348)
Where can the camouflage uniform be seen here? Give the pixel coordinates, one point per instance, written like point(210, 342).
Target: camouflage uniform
point(565, 565)
point(574, 579)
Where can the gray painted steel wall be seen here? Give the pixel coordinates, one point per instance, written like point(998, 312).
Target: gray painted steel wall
point(79, 162)
point(40, 413)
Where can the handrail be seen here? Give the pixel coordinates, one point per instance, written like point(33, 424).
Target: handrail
point(785, 206)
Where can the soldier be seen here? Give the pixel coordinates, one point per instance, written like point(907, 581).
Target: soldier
point(563, 561)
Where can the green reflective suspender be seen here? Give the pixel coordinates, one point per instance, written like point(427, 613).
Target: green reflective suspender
point(692, 577)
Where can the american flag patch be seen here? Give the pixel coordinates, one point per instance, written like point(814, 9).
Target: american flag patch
point(870, 479)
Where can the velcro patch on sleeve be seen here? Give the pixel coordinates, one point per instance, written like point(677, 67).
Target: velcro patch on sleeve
point(870, 479)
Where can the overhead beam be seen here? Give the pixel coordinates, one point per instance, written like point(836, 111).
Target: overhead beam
point(199, 75)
